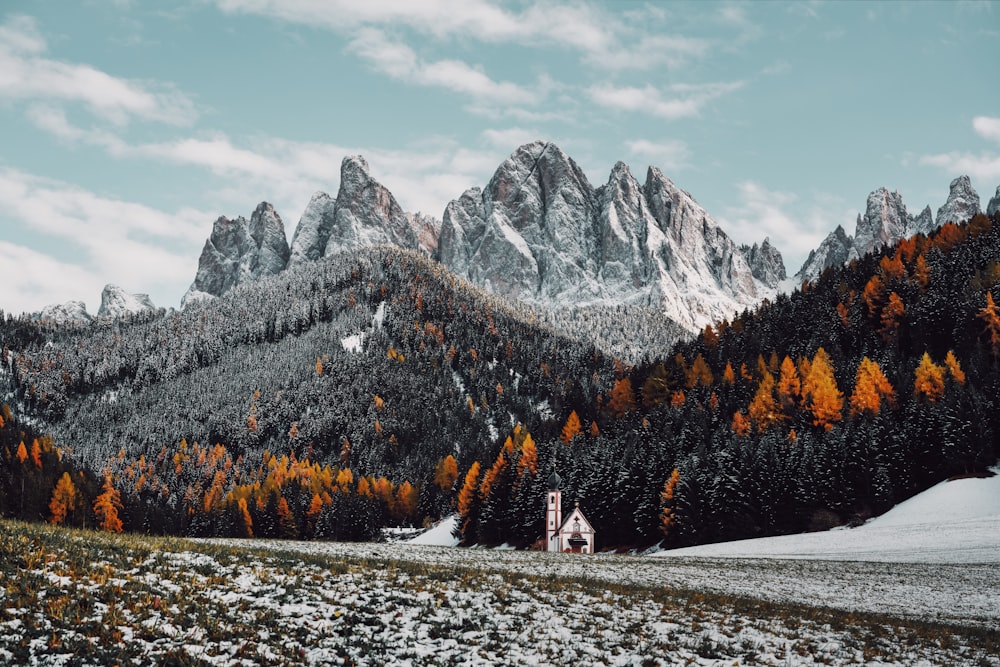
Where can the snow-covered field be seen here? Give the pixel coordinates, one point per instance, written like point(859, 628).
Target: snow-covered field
point(953, 522)
point(91, 599)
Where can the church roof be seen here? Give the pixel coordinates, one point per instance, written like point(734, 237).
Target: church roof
point(554, 481)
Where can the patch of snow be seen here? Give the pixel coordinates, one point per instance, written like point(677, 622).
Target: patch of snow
point(440, 535)
point(353, 343)
point(378, 319)
point(955, 521)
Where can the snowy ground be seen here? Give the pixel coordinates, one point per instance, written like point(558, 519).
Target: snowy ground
point(86, 599)
point(953, 522)
point(90, 599)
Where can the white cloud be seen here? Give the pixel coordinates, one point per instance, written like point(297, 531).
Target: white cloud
point(671, 155)
point(104, 240)
point(510, 138)
point(395, 59)
point(987, 127)
point(686, 100)
point(25, 74)
point(984, 167)
point(607, 40)
point(793, 227)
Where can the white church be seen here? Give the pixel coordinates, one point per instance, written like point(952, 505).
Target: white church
point(575, 534)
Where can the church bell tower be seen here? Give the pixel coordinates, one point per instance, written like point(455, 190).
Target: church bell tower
point(553, 514)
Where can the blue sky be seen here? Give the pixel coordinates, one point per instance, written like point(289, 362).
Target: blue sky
point(127, 127)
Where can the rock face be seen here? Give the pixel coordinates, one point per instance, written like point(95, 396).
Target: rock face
point(765, 263)
point(240, 251)
point(962, 203)
point(427, 229)
point(835, 250)
point(313, 230)
point(366, 213)
point(994, 204)
point(116, 302)
point(71, 312)
point(886, 221)
point(541, 233)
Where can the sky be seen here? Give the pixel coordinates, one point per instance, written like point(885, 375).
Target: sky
point(128, 127)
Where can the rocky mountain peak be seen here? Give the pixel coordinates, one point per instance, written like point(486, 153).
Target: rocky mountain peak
point(542, 233)
point(994, 204)
point(314, 228)
point(71, 312)
point(366, 213)
point(427, 229)
point(240, 251)
point(116, 302)
point(765, 263)
point(885, 220)
point(835, 250)
point(962, 202)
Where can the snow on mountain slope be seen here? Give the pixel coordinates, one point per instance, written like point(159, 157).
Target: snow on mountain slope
point(116, 302)
point(955, 521)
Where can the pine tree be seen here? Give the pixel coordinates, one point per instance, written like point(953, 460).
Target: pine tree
point(64, 499)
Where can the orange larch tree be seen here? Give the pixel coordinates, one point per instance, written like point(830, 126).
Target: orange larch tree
point(740, 424)
point(789, 385)
point(446, 473)
point(992, 319)
point(622, 398)
point(870, 388)
point(106, 507)
point(667, 515)
point(571, 428)
point(954, 368)
point(929, 379)
point(64, 500)
point(823, 398)
point(467, 496)
point(764, 410)
point(892, 313)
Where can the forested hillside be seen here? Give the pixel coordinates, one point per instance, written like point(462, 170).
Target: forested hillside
point(377, 363)
point(374, 388)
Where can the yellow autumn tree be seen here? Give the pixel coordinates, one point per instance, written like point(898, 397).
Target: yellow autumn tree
point(64, 499)
point(954, 368)
point(622, 398)
point(699, 373)
point(667, 515)
point(764, 410)
point(244, 515)
point(740, 424)
point(22, 453)
point(989, 315)
point(571, 428)
point(468, 493)
point(870, 388)
point(892, 314)
point(929, 379)
point(106, 507)
point(823, 398)
point(446, 473)
point(789, 385)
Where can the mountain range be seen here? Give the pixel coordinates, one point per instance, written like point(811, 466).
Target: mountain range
point(541, 233)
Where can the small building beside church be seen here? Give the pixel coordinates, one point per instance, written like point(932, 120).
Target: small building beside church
point(575, 534)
